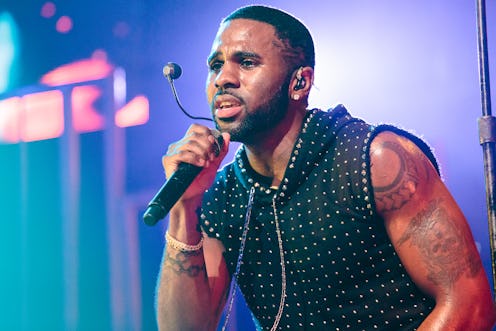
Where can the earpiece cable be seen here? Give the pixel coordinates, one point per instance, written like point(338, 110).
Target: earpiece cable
point(174, 92)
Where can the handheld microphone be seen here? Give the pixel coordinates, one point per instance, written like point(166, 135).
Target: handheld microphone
point(174, 188)
point(182, 178)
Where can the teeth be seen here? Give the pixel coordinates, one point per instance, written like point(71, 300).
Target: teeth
point(225, 105)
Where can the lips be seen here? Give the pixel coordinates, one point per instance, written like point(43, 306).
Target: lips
point(227, 106)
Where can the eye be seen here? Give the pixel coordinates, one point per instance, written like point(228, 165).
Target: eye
point(215, 66)
point(248, 63)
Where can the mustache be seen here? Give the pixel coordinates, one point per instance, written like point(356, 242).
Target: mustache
point(226, 92)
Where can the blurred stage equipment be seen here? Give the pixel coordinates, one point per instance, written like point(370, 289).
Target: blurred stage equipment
point(65, 144)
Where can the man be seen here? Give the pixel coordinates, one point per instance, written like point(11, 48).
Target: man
point(324, 222)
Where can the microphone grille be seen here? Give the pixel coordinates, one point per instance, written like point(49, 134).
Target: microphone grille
point(172, 70)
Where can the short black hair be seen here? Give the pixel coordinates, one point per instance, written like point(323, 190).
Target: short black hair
point(291, 31)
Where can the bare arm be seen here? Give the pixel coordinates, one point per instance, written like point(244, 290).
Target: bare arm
point(430, 235)
point(192, 286)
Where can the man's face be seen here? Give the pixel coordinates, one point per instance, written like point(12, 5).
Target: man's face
point(247, 84)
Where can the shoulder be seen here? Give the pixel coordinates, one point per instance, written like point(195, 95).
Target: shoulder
point(400, 171)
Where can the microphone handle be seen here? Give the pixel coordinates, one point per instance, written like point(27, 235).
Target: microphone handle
point(170, 192)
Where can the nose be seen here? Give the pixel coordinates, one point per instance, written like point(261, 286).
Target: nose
point(227, 77)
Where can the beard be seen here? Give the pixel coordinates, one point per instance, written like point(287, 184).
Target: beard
point(262, 119)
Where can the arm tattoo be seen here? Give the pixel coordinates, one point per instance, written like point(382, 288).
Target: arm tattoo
point(395, 194)
point(443, 247)
point(181, 263)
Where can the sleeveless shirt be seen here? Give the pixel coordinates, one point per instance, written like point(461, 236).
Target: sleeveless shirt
point(342, 272)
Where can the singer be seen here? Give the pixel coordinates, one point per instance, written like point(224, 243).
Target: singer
point(323, 221)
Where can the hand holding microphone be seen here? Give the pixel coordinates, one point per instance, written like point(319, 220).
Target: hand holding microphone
point(195, 158)
point(190, 165)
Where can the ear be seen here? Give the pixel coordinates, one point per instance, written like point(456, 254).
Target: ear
point(301, 83)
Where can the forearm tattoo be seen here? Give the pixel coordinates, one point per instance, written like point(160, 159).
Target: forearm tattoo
point(444, 248)
point(395, 193)
point(181, 263)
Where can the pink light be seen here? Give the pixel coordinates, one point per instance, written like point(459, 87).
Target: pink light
point(44, 116)
point(40, 116)
point(64, 24)
point(76, 72)
point(99, 54)
point(85, 118)
point(135, 112)
point(48, 9)
point(10, 112)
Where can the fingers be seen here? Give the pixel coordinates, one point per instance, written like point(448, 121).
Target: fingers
point(198, 147)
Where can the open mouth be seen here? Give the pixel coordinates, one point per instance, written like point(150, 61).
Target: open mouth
point(227, 106)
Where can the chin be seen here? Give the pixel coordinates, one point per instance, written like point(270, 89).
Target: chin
point(226, 124)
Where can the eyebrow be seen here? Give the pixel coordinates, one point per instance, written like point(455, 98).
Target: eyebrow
point(237, 55)
point(212, 56)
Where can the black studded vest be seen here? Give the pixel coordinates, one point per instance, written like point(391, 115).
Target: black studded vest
point(342, 272)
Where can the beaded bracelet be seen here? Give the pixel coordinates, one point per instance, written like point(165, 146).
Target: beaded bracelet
point(180, 246)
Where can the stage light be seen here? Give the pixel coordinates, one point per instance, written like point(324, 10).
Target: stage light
point(64, 24)
point(48, 10)
point(9, 45)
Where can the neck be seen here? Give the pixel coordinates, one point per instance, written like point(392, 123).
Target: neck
point(269, 156)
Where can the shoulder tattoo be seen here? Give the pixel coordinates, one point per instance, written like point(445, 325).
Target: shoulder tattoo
point(398, 181)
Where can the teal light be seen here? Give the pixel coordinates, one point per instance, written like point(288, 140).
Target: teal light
point(9, 44)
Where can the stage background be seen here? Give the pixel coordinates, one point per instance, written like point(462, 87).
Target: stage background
point(409, 63)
